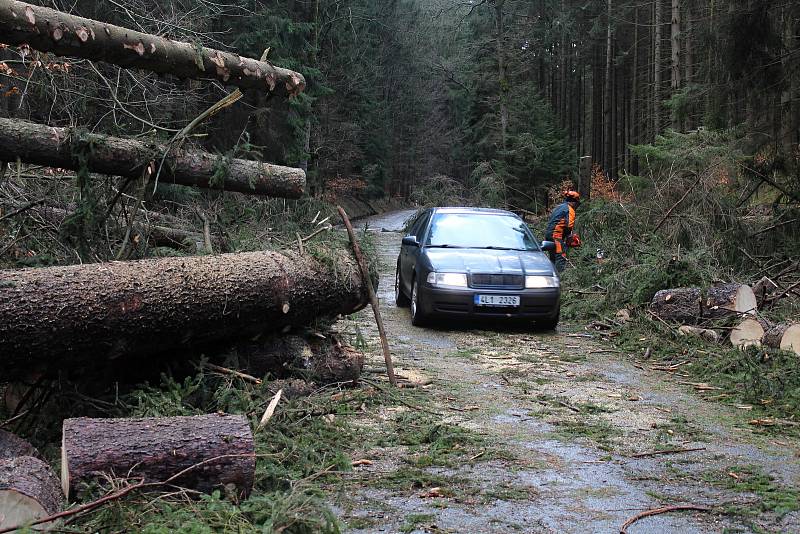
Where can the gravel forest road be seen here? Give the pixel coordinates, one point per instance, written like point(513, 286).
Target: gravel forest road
point(566, 424)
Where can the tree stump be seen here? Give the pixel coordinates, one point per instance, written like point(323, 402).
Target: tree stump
point(729, 300)
point(215, 450)
point(12, 446)
point(29, 490)
point(784, 336)
point(748, 333)
point(681, 305)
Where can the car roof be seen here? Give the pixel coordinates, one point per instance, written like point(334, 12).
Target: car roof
point(466, 209)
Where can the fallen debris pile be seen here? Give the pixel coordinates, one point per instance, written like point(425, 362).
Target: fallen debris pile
point(725, 312)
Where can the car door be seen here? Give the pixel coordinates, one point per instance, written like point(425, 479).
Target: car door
point(409, 254)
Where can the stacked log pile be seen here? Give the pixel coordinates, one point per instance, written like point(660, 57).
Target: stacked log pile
point(726, 312)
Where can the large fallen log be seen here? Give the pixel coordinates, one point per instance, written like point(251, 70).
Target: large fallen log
point(784, 336)
point(62, 317)
point(729, 300)
point(681, 305)
point(211, 451)
point(70, 149)
point(29, 490)
point(63, 34)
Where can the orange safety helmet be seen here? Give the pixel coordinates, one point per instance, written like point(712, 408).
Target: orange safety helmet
point(572, 196)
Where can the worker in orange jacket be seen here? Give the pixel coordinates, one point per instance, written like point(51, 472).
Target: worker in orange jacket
point(560, 229)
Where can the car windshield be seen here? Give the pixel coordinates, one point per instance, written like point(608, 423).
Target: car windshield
point(480, 230)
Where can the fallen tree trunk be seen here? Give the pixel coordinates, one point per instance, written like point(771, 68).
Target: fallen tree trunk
point(784, 336)
point(63, 317)
point(323, 361)
point(13, 446)
point(29, 490)
point(213, 451)
point(681, 305)
point(65, 148)
point(63, 34)
point(729, 300)
point(748, 333)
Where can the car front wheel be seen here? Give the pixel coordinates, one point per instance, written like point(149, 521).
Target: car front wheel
point(418, 316)
point(400, 298)
point(550, 323)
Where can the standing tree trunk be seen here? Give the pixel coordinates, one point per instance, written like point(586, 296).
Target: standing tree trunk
point(675, 39)
point(657, 69)
point(608, 123)
point(211, 451)
point(689, 63)
point(502, 75)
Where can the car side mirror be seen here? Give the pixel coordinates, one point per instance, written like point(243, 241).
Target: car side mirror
point(547, 246)
point(411, 241)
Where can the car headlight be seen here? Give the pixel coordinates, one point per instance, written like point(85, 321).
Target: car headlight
point(447, 279)
point(538, 282)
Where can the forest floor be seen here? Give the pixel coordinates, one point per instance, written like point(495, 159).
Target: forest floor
point(508, 430)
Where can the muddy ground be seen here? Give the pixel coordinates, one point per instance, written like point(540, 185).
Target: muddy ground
point(513, 430)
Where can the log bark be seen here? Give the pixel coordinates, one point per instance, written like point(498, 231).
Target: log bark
point(323, 361)
point(681, 305)
point(748, 333)
point(29, 490)
point(216, 451)
point(61, 147)
point(80, 315)
point(62, 34)
point(729, 300)
point(13, 446)
point(784, 336)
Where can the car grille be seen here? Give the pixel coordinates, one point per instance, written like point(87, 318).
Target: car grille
point(510, 281)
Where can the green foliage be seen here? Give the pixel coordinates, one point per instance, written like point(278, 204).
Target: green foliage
point(83, 224)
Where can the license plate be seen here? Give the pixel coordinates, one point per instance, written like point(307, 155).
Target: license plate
point(496, 300)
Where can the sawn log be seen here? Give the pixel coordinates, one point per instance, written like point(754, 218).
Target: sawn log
point(212, 451)
point(65, 148)
point(784, 336)
point(29, 490)
point(63, 34)
point(681, 305)
point(63, 317)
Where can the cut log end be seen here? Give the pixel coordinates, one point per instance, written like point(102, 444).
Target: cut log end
point(729, 300)
point(747, 333)
point(28, 491)
point(784, 337)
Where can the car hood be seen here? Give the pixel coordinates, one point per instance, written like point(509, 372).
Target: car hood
point(489, 261)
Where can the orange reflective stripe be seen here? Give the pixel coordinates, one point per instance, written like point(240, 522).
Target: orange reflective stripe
point(558, 231)
point(571, 224)
point(559, 248)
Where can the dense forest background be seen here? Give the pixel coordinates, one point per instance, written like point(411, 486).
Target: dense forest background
point(441, 100)
point(403, 90)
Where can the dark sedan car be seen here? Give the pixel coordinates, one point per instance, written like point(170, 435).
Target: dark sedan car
point(475, 262)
